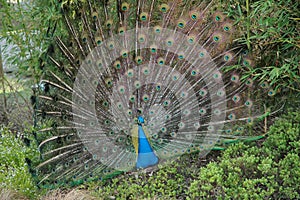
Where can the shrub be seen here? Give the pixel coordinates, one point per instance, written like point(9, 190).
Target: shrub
point(166, 182)
point(249, 172)
point(15, 175)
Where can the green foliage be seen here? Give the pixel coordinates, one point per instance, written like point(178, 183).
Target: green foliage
point(166, 182)
point(14, 169)
point(245, 176)
point(270, 30)
point(245, 172)
point(30, 27)
point(285, 136)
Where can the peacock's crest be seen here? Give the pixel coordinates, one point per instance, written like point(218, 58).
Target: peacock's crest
point(152, 74)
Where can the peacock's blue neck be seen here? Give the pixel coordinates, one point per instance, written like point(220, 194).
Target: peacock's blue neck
point(146, 156)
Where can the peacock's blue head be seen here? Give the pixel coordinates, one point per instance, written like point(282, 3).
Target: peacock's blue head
point(140, 120)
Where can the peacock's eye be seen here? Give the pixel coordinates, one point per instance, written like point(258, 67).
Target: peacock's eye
point(125, 7)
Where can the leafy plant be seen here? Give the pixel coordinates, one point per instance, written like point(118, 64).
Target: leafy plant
point(249, 172)
point(14, 169)
point(271, 33)
point(28, 27)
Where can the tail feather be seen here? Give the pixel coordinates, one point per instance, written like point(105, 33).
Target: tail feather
point(173, 63)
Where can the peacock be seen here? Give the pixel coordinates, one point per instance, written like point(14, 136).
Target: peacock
point(137, 83)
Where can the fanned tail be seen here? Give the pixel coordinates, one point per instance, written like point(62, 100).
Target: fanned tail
point(165, 61)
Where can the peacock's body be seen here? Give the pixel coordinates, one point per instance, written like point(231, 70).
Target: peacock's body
point(137, 83)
